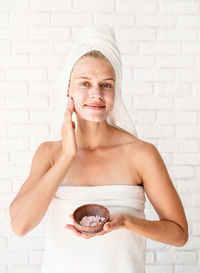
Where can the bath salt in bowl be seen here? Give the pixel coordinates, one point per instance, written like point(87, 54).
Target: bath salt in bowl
point(90, 218)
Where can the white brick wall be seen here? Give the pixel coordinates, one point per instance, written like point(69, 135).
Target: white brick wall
point(160, 46)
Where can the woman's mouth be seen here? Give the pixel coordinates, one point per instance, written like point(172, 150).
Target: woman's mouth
point(95, 107)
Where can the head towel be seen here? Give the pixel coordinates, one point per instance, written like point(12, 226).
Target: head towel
point(93, 37)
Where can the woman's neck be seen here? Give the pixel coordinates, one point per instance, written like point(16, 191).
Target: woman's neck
point(93, 135)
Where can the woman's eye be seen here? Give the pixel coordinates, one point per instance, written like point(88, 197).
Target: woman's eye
point(83, 83)
point(108, 84)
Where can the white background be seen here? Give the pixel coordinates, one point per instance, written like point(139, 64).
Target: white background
point(160, 46)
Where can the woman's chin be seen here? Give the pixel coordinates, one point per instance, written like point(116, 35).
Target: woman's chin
point(92, 119)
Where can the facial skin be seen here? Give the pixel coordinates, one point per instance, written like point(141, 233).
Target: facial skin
point(96, 89)
point(93, 130)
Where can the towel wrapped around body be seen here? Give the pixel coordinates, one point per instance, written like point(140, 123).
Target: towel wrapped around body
point(118, 251)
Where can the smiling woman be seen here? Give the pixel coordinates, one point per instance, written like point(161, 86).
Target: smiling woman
point(99, 163)
point(96, 44)
point(94, 94)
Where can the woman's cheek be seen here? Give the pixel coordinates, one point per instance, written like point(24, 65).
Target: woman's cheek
point(110, 102)
point(109, 107)
point(78, 102)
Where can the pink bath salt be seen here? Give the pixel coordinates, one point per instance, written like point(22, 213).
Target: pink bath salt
point(90, 221)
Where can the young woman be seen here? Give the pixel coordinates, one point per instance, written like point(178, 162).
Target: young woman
point(97, 163)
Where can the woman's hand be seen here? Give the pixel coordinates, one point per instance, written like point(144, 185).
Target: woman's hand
point(69, 146)
point(116, 221)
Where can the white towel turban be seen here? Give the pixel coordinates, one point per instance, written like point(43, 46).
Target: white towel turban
point(93, 37)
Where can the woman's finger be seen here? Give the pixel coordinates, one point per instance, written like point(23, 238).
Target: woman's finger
point(71, 103)
point(78, 233)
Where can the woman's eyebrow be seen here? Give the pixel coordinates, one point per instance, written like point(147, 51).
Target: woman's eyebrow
point(91, 78)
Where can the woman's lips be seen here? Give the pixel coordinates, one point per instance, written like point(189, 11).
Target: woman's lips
point(95, 107)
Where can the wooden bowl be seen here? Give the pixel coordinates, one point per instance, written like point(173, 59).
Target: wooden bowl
point(90, 210)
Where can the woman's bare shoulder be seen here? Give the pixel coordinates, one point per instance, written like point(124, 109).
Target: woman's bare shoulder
point(140, 149)
point(134, 146)
point(52, 150)
point(127, 138)
point(141, 145)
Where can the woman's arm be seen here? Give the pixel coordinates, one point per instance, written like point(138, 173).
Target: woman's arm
point(164, 231)
point(172, 228)
point(32, 201)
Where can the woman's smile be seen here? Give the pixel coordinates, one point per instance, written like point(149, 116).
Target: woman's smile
point(95, 107)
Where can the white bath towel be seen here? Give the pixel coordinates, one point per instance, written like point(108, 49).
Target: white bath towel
point(119, 251)
point(100, 37)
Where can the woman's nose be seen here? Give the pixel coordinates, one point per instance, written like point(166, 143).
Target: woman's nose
point(96, 91)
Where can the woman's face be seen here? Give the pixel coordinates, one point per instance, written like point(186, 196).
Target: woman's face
point(92, 81)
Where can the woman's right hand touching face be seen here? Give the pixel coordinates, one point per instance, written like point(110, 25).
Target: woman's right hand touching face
point(69, 146)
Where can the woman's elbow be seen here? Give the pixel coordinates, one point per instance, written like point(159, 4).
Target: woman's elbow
point(17, 230)
point(183, 240)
